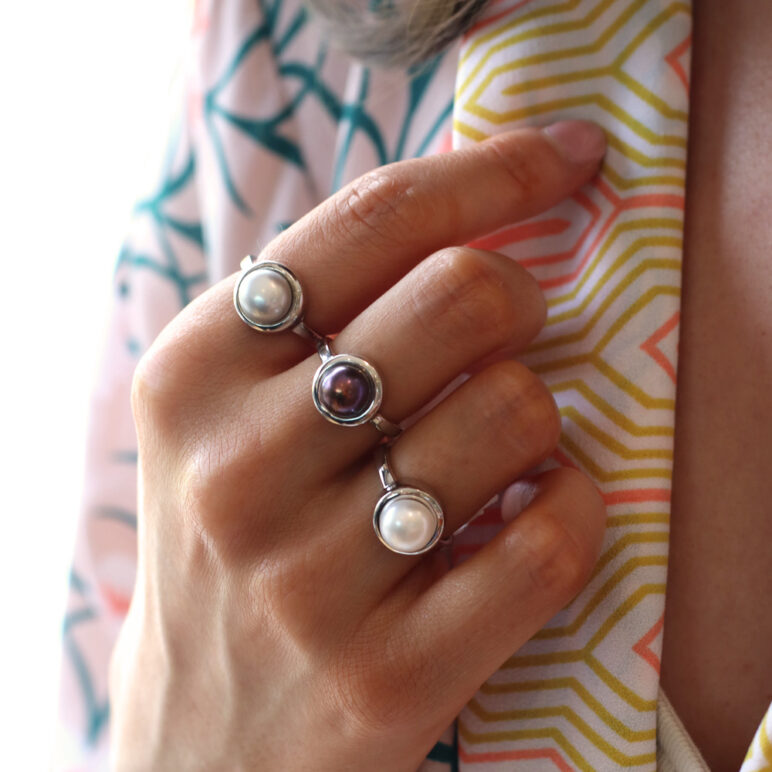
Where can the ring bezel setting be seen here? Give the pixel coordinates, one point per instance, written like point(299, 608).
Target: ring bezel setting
point(358, 368)
point(249, 265)
point(402, 492)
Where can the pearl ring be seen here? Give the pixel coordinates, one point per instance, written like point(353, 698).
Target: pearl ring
point(269, 298)
point(407, 520)
point(347, 390)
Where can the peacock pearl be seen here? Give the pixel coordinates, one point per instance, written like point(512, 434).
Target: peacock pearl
point(346, 391)
point(265, 296)
point(407, 524)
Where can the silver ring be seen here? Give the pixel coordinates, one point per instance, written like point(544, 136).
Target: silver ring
point(347, 390)
point(269, 298)
point(407, 520)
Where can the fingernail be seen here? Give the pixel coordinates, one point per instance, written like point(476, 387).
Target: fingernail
point(580, 142)
point(516, 498)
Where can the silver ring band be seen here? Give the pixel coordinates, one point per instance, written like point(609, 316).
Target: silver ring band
point(407, 520)
point(347, 390)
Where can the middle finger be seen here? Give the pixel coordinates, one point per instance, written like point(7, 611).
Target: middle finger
point(453, 309)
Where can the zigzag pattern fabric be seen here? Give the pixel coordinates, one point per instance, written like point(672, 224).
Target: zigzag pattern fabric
point(271, 123)
point(582, 694)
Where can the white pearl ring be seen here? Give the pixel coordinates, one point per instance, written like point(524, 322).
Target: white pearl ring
point(409, 521)
point(346, 390)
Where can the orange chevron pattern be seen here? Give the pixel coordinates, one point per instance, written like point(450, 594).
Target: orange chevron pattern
point(582, 693)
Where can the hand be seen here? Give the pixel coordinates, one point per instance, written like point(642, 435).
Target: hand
point(269, 627)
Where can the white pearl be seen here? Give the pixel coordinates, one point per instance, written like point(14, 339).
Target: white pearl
point(264, 296)
point(407, 524)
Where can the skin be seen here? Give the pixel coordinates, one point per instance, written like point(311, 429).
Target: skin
point(265, 608)
point(716, 664)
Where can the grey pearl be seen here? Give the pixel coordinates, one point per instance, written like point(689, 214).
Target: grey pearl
point(264, 296)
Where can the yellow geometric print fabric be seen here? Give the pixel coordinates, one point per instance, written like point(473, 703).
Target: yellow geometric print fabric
point(583, 693)
point(759, 756)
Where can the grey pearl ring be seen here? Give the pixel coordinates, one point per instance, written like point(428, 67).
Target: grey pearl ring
point(269, 298)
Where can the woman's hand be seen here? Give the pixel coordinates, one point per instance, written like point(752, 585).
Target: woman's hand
point(269, 627)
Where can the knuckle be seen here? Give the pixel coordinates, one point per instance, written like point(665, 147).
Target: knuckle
point(215, 468)
point(558, 563)
point(141, 389)
point(537, 302)
point(382, 694)
point(362, 694)
point(379, 203)
point(156, 382)
point(227, 481)
point(521, 169)
point(519, 401)
point(581, 490)
point(371, 700)
point(152, 399)
point(205, 479)
point(145, 382)
point(464, 298)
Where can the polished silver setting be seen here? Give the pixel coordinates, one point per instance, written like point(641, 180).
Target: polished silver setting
point(251, 264)
point(293, 318)
point(370, 411)
point(363, 367)
point(393, 492)
point(385, 426)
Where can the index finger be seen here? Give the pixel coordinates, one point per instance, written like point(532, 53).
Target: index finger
point(356, 244)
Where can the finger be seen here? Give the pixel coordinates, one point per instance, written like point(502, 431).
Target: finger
point(493, 428)
point(356, 244)
point(451, 309)
point(481, 612)
point(455, 307)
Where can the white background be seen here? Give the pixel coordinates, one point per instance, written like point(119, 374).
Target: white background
point(85, 99)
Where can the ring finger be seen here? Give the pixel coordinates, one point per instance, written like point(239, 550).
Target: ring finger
point(452, 310)
point(495, 427)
